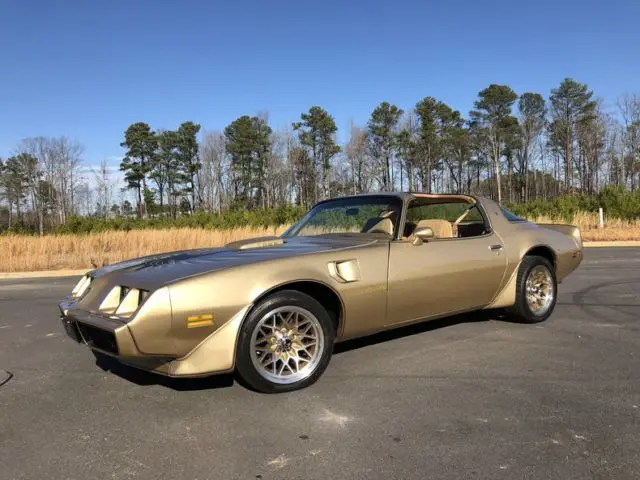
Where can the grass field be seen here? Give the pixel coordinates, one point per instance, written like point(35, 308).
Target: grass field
point(614, 229)
point(24, 253)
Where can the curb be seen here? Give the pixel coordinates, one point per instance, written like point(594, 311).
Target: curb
point(619, 243)
point(43, 274)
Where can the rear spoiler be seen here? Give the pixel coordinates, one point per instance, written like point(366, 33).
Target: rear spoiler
point(568, 230)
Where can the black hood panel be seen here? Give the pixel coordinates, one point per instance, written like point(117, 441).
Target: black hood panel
point(154, 271)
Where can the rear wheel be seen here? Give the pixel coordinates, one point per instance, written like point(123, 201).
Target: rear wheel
point(285, 344)
point(536, 290)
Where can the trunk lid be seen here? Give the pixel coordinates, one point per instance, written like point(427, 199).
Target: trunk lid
point(570, 231)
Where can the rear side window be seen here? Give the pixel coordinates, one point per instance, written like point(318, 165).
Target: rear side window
point(443, 211)
point(512, 217)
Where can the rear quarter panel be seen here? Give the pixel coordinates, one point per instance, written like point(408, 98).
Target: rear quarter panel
point(521, 237)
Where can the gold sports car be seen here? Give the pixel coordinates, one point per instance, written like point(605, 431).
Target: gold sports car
point(271, 308)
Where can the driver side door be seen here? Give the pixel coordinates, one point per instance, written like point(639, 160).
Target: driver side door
point(443, 276)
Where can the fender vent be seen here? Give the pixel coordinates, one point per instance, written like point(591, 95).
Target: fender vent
point(345, 271)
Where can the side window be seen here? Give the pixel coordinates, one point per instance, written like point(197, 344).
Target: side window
point(474, 215)
point(447, 220)
point(441, 211)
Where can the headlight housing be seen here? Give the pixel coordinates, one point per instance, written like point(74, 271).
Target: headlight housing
point(81, 287)
point(122, 301)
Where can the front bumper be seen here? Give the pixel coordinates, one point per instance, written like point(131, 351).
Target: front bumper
point(100, 333)
point(215, 354)
point(109, 336)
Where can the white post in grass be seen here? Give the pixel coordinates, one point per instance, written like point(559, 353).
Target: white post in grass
point(600, 218)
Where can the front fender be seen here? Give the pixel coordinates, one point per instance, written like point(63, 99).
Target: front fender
point(220, 295)
point(215, 354)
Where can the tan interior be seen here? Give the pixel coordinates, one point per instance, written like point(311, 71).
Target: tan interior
point(441, 228)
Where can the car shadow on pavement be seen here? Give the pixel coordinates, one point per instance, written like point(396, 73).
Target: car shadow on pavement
point(417, 328)
point(142, 378)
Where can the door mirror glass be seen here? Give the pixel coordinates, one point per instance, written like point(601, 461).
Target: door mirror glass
point(422, 235)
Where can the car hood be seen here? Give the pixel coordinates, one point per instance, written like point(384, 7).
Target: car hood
point(157, 270)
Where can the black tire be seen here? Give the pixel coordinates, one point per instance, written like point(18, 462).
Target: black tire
point(522, 312)
point(249, 375)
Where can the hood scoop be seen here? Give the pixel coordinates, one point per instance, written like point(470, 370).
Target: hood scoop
point(260, 242)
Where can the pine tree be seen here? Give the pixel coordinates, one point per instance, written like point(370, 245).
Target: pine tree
point(571, 103)
point(249, 143)
point(382, 139)
point(316, 131)
point(493, 114)
point(140, 142)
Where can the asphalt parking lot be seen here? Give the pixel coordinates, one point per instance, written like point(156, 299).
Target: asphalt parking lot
point(470, 397)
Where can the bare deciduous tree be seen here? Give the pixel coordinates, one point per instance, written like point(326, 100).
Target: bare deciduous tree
point(356, 151)
point(214, 175)
point(629, 108)
point(104, 189)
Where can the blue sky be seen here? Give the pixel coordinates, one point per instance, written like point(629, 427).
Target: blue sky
point(88, 69)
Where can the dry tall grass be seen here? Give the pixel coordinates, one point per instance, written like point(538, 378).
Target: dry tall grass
point(23, 253)
point(614, 229)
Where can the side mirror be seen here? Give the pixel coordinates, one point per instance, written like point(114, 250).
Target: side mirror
point(423, 235)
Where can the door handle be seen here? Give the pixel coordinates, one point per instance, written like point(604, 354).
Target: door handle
point(495, 248)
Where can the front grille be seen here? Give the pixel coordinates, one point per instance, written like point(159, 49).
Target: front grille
point(98, 338)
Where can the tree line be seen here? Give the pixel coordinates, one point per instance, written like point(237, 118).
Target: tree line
point(512, 147)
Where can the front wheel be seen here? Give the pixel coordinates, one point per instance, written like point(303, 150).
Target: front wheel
point(536, 290)
point(285, 343)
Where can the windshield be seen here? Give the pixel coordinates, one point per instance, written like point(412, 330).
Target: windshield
point(368, 214)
